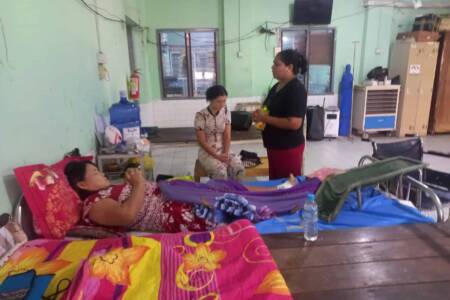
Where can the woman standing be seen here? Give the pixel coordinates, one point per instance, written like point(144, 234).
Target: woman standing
point(213, 130)
point(286, 104)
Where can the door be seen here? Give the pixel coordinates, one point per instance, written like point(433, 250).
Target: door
point(440, 116)
point(409, 114)
point(411, 91)
point(428, 56)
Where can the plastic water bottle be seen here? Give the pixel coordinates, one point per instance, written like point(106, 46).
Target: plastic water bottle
point(125, 116)
point(310, 219)
point(262, 125)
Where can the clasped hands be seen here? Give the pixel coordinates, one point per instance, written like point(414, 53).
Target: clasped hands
point(259, 116)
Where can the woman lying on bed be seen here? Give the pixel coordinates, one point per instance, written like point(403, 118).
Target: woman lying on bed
point(135, 205)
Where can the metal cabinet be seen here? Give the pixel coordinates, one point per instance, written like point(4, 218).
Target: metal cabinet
point(375, 108)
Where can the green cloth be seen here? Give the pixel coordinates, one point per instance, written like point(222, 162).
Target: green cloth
point(335, 188)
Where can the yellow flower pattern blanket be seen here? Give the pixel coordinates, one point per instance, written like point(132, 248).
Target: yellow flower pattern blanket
point(231, 262)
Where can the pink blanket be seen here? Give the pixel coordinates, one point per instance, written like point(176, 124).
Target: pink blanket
point(231, 262)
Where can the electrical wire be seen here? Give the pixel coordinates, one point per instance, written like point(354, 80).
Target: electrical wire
point(97, 31)
point(353, 14)
point(119, 20)
point(239, 25)
point(249, 35)
point(5, 42)
point(99, 9)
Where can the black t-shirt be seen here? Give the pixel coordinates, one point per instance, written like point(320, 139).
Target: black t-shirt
point(290, 101)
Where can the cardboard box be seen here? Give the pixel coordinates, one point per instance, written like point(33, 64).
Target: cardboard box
point(428, 22)
point(419, 36)
point(445, 24)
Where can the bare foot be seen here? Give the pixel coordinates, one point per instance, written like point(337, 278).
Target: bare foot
point(292, 180)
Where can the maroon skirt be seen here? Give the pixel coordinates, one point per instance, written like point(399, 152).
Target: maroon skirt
point(283, 162)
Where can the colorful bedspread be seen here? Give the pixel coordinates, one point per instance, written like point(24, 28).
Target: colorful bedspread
point(231, 262)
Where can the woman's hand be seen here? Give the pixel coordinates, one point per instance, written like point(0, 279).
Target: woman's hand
point(134, 177)
point(259, 116)
point(223, 158)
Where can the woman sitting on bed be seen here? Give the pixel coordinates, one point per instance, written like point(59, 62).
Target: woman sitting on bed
point(135, 205)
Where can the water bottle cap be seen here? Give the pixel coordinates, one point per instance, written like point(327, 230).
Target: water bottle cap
point(123, 97)
point(311, 197)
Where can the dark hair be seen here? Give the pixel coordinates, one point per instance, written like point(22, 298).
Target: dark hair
point(292, 57)
point(215, 91)
point(75, 172)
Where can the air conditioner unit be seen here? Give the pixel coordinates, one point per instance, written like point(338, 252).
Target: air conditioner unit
point(375, 108)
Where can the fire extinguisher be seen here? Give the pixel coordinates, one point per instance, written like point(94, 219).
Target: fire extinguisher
point(134, 85)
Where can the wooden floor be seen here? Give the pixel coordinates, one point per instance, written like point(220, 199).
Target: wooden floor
point(403, 262)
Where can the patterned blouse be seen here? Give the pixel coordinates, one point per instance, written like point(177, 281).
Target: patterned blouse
point(213, 126)
point(156, 214)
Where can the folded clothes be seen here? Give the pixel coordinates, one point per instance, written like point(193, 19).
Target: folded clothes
point(231, 207)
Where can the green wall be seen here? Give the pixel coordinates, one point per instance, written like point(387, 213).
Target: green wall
point(373, 30)
point(49, 87)
point(176, 14)
point(383, 24)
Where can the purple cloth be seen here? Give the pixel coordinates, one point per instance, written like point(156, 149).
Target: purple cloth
point(278, 201)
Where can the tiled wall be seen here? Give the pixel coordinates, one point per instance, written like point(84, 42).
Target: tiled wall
point(180, 113)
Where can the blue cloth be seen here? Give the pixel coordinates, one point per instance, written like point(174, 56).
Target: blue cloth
point(17, 285)
point(25, 285)
point(272, 183)
point(231, 207)
point(377, 211)
point(228, 208)
point(40, 285)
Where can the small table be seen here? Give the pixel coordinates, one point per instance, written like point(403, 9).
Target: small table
point(401, 262)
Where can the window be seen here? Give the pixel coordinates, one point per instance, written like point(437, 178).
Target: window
point(188, 62)
point(317, 45)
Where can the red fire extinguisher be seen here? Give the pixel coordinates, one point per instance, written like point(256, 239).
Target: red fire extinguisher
point(134, 85)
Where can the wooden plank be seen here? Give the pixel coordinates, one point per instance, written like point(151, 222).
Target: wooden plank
point(259, 170)
point(292, 258)
point(364, 275)
point(425, 291)
point(361, 235)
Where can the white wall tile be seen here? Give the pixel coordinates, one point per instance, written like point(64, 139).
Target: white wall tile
point(181, 113)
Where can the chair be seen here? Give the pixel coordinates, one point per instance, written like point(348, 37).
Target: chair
point(437, 182)
point(411, 148)
point(199, 171)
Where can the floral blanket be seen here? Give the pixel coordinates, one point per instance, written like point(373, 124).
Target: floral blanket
point(231, 262)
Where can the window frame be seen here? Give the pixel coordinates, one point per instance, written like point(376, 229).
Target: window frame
point(308, 30)
point(190, 83)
